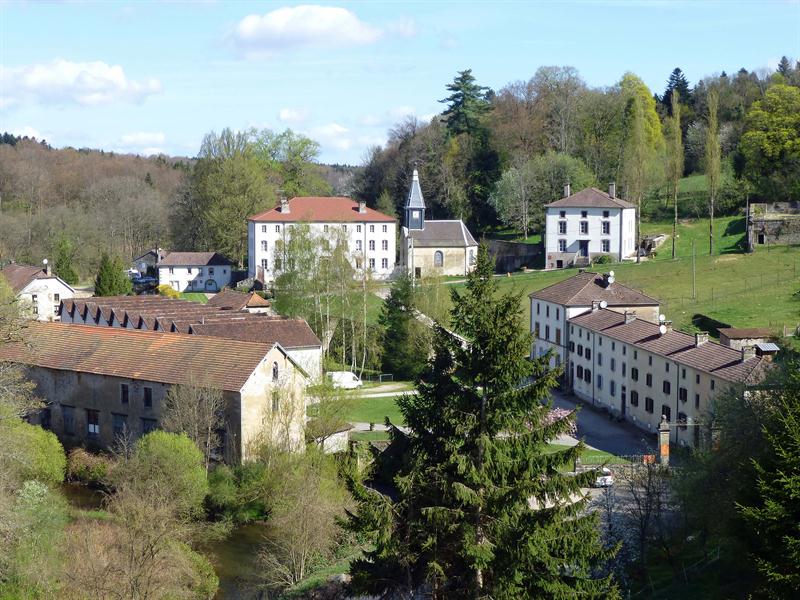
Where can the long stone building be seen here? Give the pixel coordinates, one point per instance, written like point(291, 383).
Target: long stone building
point(101, 383)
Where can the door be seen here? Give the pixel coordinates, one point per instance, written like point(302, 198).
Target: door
point(584, 248)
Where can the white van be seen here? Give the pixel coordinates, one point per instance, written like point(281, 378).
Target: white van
point(345, 379)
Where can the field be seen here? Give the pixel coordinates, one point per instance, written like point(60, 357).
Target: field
point(194, 297)
point(742, 290)
point(375, 410)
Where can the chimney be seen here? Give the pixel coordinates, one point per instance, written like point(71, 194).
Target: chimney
point(362, 207)
point(612, 189)
point(567, 191)
point(284, 205)
point(595, 305)
point(700, 338)
point(748, 352)
point(630, 317)
point(47, 268)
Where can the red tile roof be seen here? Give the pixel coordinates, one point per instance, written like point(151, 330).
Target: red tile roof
point(590, 198)
point(290, 333)
point(744, 333)
point(142, 355)
point(233, 300)
point(715, 359)
point(584, 288)
point(18, 276)
point(321, 209)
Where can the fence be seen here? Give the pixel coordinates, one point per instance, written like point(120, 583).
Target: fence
point(378, 377)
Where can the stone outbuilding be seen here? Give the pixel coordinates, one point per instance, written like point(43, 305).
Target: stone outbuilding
point(747, 337)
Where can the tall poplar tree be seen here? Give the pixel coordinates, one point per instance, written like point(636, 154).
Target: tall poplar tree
point(712, 162)
point(674, 158)
point(481, 508)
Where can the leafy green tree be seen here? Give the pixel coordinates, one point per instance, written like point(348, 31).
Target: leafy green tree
point(771, 144)
point(111, 278)
point(44, 457)
point(674, 158)
point(481, 509)
point(62, 265)
point(406, 341)
point(385, 204)
point(290, 159)
point(772, 519)
point(712, 163)
point(466, 104)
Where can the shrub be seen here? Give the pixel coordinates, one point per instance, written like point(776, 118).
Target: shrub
point(88, 468)
point(166, 291)
point(603, 259)
point(45, 460)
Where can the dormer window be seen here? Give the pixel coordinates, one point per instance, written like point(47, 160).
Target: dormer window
point(584, 214)
point(562, 214)
point(605, 214)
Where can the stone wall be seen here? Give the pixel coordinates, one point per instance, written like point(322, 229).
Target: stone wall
point(512, 256)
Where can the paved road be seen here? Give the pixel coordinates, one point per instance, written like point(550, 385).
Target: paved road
point(598, 431)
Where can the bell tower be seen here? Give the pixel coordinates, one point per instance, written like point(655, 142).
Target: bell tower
point(415, 205)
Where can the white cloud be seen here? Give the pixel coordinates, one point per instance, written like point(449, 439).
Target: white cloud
point(389, 117)
point(151, 151)
point(64, 82)
point(302, 26)
point(143, 138)
point(292, 115)
point(28, 131)
point(332, 135)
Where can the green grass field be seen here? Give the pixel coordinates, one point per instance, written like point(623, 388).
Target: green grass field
point(375, 410)
point(195, 297)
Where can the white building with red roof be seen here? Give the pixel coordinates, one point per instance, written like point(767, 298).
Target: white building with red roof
point(370, 235)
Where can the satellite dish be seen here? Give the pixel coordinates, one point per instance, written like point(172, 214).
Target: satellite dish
point(661, 318)
point(662, 329)
point(603, 304)
point(611, 280)
point(44, 262)
point(611, 273)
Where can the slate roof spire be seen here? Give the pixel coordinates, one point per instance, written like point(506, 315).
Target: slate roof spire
point(415, 199)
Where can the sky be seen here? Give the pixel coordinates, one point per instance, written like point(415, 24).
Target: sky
point(155, 76)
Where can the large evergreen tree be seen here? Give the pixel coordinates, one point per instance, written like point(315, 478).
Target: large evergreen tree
point(111, 279)
point(466, 104)
point(406, 342)
point(677, 82)
point(482, 509)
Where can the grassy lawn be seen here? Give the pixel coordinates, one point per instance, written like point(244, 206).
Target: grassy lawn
point(194, 297)
point(370, 436)
point(375, 410)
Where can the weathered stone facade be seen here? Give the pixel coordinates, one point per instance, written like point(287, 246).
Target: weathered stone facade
point(772, 224)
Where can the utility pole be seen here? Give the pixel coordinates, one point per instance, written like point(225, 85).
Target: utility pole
point(694, 276)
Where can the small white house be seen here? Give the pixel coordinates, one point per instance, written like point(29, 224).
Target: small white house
point(370, 235)
point(195, 271)
point(40, 291)
point(588, 224)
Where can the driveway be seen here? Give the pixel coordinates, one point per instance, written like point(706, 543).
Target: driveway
point(596, 429)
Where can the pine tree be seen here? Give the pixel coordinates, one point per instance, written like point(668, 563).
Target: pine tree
point(773, 519)
point(466, 104)
point(469, 518)
point(677, 81)
point(62, 265)
point(111, 279)
point(784, 67)
point(405, 340)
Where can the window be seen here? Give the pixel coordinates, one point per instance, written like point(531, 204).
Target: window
point(92, 423)
point(613, 346)
point(613, 365)
point(624, 350)
point(605, 245)
point(358, 245)
point(683, 373)
point(147, 396)
point(562, 214)
point(171, 271)
point(562, 245)
point(210, 271)
point(612, 387)
point(584, 214)
point(372, 228)
point(384, 263)
point(650, 361)
point(372, 245)
point(599, 359)
point(588, 353)
point(635, 374)
point(634, 398)
point(584, 227)
point(538, 308)
point(68, 416)
point(572, 346)
point(263, 229)
point(547, 332)
point(45, 418)
point(600, 341)
point(325, 228)
point(263, 245)
point(344, 227)
point(558, 313)
point(274, 371)
point(56, 298)
point(277, 228)
point(606, 214)
point(683, 394)
point(124, 393)
point(697, 401)
point(562, 228)
point(385, 228)
point(635, 354)
point(276, 403)
point(579, 372)
point(587, 376)
point(667, 412)
point(580, 350)
point(438, 258)
point(648, 404)
point(371, 263)
point(34, 298)
point(599, 382)
point(547, 311)
point(264, 263)
point(666, 387)
point(682, 421)
point(697, 378)
point(149, 425)
point(648, 380)
point(712, 384)
point(384, 244)
point(558, 335)
point(606, 228)
point(624, 368)
point(119, 423)
point(358, 228)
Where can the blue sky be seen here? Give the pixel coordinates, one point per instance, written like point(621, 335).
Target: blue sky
point(155, 76)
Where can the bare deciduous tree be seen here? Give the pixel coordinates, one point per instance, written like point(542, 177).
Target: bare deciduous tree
point(197, 411)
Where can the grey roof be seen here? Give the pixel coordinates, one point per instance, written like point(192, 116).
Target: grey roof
point(415, 199)
point(448, 234)
point(767, 347)
point(590, 198)
point(193, 259)
point(584, 288)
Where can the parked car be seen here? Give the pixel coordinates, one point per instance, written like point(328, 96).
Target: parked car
point(146, 280)
point(345, 379)
point(605, 478)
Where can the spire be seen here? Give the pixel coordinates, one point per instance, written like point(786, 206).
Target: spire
point(415, 199)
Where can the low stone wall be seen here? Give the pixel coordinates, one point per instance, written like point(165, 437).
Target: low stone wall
point(512, 256)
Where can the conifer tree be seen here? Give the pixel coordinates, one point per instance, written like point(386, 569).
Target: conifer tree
point(466, 104)
point(482, 509)
point(111, 279)
point(405, 343)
